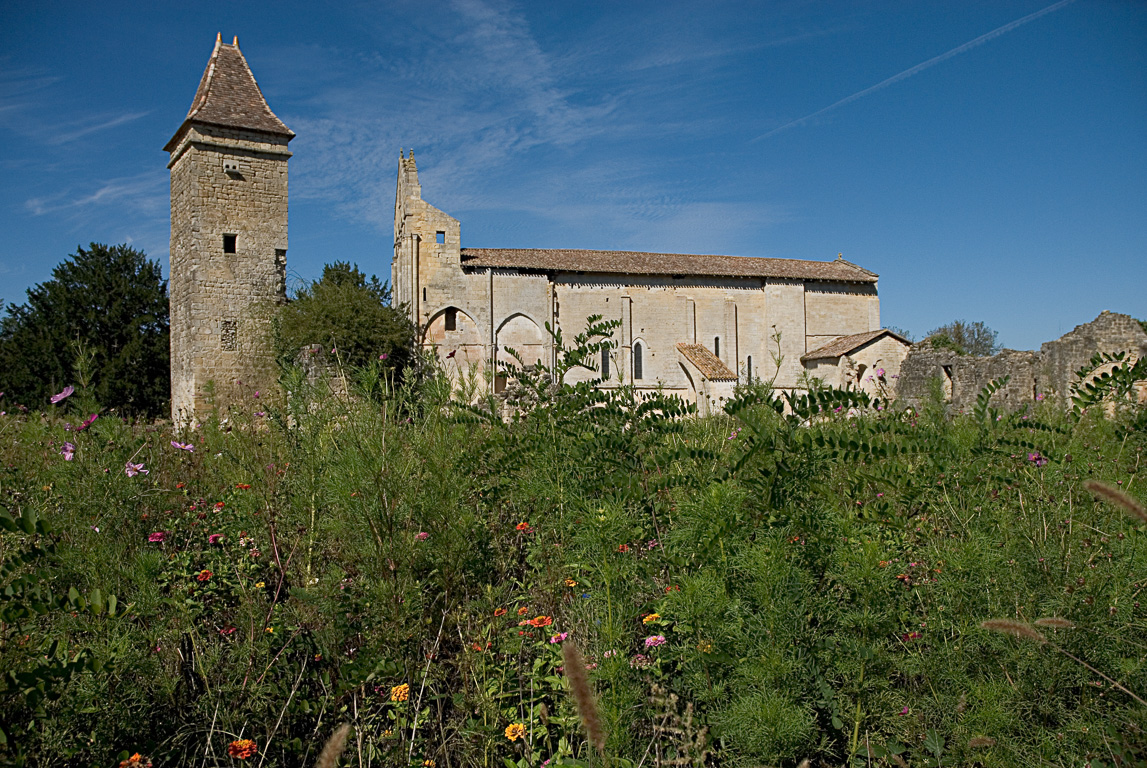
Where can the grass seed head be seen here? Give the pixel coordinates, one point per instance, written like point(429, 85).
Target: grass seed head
point(1015, 628)
point(1054, 621)
point(1117, 497)
point(583, 695)
point(334, 747)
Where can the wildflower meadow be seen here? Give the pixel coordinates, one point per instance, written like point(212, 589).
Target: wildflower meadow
point(600, 579)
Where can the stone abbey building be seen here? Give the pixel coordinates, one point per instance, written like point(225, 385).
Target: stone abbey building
point(690, 325)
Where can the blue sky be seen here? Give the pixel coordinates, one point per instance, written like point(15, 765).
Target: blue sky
point(988, 158)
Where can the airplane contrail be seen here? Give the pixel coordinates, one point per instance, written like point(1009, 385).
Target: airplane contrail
point(921, 67)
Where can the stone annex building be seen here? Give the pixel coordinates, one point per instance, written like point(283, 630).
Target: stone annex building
point(692, 325)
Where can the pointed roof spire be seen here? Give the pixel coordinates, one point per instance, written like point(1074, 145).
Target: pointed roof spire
point(228, 96)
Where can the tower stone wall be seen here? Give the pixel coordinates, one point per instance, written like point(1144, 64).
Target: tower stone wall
point(228, 164)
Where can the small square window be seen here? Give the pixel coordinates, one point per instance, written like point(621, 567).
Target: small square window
point(229, 243)
point(440, 237)
point(451, 319)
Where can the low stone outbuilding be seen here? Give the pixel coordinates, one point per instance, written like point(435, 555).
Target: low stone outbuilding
point(860, 361)
point(710, 378)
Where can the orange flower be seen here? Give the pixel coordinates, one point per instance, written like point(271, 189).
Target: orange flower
point(522, 526)
point(522, 610)
point(571, 583)
point(243, 486)
point(623, 548)
point(242, 749)
point(515, 731)
point(475, 646)
point(541, 621)
point(400, 692)
point(499, 611)
point(204, 575)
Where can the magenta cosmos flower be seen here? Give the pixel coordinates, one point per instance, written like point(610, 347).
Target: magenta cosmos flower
point(158, 536)
point(68, 451)
point(131, 470)
point(88, 422)
point(183, 446)
point(215, 538)
point(66, 392)
point(422, 536)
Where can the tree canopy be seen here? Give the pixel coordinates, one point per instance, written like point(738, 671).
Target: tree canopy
point(965, 338)
point(347, 311)
point(106, 304)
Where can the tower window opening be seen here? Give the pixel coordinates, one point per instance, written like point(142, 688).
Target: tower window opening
point(749, 367)
point(440, 237)
point(605, 364)
point(717, 346)
point(451, 319)
point(637, 366)
point(229, 243)
point(424, 294)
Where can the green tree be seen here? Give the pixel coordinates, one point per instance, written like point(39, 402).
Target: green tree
point(965, 338)
point(347, 311)
point(106, 304)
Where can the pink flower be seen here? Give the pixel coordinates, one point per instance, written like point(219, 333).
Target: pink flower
point(1037, 459)
point(131, 470)
point(559, 637)
point(256, 393)
point(383, 356)
point(905, 710)
point(654, 640)
point(452, 353)
point(88, 422)
point(158, 536)
point(1039, 397)
point(879, 372)
point(183, 446)
point(215, 538)
point(422, 536)
point(66, 392)
point(68, 451)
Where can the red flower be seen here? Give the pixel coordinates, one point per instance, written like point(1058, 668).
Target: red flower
point(541, 621)
point(500, 612)
point(204, 575)
point(243, 486)
point(242, 749)
point(219, 505)
point(623, 548)
point(522, 527)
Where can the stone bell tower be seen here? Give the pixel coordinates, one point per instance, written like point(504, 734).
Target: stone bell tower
point(228, 239)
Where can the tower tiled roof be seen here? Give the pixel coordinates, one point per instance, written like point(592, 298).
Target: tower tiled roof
point(710, 366)
point(640, 263)
point(228, 96)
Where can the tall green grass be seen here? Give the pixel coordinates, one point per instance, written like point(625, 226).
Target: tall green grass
point(785, 583)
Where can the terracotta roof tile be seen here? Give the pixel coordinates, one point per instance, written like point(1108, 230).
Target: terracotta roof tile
point(228, 96)
point(640, 263)
point(709, 364)
point(842, 345)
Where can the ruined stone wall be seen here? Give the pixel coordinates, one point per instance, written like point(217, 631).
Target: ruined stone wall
point(225, 183)
point(1049, 373)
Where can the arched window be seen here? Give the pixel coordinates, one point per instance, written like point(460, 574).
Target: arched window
point(637, 361)
point(717, 346)
point(605, 364)
point(749, 368)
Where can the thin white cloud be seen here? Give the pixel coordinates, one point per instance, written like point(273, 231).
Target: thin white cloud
point(145, 192)
point(75, 133)
point(919, 67)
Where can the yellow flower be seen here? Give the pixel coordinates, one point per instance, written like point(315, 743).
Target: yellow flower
point(400, 692)
point(428, 763)
point(651, 618)
point(705, 646)
point(515, 731)
point(571, 583)
point(270, 629)
point(259, 585)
